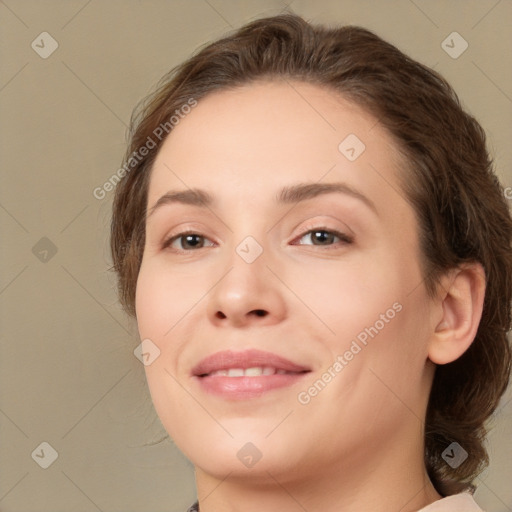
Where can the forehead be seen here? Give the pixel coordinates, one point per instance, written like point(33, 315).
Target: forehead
point(243, 141)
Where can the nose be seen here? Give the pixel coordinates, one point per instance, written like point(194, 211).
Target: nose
point(248, 293)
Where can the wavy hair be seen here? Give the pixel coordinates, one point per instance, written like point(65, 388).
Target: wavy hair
point(449, 181)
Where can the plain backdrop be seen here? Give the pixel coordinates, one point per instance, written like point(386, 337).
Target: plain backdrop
point(68, 374)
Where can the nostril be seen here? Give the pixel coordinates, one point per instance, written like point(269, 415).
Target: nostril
point(257, 312)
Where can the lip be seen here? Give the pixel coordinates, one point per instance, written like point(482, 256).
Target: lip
point(243, 387)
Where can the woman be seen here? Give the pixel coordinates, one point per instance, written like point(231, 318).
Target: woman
point(318, 255)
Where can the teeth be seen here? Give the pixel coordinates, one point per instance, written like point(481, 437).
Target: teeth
point(222, 373)
point(253, 372)
point(256, 371)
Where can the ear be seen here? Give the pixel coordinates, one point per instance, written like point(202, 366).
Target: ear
point(462, 294)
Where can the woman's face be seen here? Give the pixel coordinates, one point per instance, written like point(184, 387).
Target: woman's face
point(292, 321)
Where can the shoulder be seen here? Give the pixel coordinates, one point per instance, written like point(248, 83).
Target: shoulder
point(462, 502)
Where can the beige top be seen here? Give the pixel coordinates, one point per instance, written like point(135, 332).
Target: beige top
point(462, 502)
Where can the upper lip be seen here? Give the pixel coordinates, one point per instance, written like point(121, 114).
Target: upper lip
point(227, 359)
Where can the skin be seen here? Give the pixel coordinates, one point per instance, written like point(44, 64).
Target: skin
point(359, 441)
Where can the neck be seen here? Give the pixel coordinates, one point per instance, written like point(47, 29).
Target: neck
point(394, 478)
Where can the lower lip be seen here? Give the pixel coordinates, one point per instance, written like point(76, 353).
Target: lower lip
point(243, 388)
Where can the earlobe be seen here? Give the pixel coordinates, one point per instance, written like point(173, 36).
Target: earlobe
point(462, 300)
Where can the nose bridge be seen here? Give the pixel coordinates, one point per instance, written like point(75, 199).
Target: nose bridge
point(247, 290)
point(247, 261)
point(249, 233)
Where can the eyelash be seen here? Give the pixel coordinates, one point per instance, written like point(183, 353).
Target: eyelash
point(344, 238)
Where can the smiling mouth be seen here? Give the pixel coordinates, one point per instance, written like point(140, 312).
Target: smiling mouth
point(247, 374)
point(256, 371)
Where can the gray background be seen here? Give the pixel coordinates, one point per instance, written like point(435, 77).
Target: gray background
point(68, 375)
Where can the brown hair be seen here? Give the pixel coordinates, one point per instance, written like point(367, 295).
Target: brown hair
point(460, 205)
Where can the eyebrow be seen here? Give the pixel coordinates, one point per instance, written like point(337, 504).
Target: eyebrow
point(288, 195)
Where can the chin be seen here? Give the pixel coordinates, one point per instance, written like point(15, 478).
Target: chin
point(255, 455)
point(219, 465)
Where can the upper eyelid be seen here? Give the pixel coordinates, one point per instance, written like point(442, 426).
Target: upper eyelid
point(316, 224)
point(336, 232)
point(306, 231)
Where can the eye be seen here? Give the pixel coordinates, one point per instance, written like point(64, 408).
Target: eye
point(190, 238)
point(324, 237)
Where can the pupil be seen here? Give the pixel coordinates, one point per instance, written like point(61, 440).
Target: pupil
point(189, 237)
point(323, 235)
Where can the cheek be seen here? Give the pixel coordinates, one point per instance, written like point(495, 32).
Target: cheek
point(166, 302)
point(375, 303)
point(347, 297)
point(160, 304)
point(163, 297)
point(150, 295)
